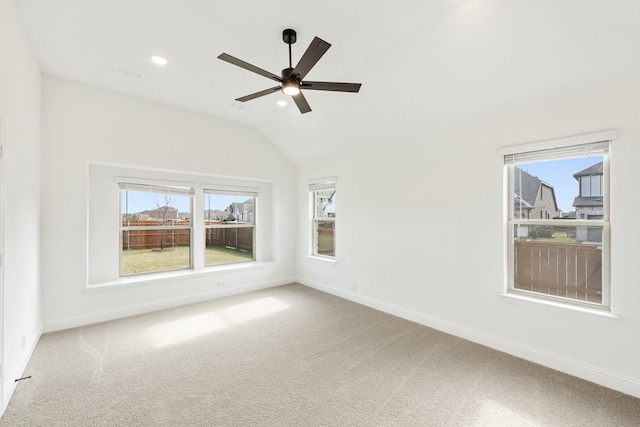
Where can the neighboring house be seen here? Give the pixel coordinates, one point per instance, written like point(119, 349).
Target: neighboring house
point(241, 211)
point(213, 214)
point(589, 203)
point(533, 198)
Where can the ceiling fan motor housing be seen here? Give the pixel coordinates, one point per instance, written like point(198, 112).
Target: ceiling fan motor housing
point(287, 76)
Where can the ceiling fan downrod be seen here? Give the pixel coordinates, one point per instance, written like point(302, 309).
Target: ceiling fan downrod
point(289, 37)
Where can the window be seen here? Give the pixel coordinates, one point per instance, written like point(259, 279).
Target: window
point(155, 228)
point(323, 208)
point(229, 226)
point(561, 255)
point(591, 186)
point(129, 240)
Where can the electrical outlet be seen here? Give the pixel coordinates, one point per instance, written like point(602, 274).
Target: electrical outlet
point(354, 287)
point(221, 284)
point(24, 342)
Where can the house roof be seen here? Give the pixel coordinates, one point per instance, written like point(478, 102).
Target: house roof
point(526, 186)
point(596, 169)
point(586, 202)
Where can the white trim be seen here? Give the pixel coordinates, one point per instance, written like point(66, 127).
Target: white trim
point(602, 315)
point(132, 310)
point(145, 279)
point(581, 370)
point(323, 180)
point(24, 363)
point(326, 258)
point(607, 135)
point(5, 395)
point(158, 186)
point(230, 190)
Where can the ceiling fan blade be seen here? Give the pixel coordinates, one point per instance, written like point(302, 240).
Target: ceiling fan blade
point(337, 87)
point(240, 63)
point(259, 94)
point(302, 103)
point(314, 52)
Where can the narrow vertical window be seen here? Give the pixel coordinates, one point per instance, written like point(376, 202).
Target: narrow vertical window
point(155, 228)
point(323, 205)
point(563, 255)
point(229, 226)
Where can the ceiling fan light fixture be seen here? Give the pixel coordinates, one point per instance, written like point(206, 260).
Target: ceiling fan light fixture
point(159, 60)
point(290, 88)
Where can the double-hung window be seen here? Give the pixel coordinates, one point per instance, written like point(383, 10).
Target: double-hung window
point(558, 219)
point(323, 208)
point(155, 227)
point(229, 226)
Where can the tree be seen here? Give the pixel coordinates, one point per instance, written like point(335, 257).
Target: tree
point(163, 212)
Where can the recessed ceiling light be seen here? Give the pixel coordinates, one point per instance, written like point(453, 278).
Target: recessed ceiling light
point(159, 60)
point(282, 103)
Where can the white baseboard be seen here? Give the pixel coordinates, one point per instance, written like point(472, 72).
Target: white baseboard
point(576, 369)
point(73, 322)
point(20, 372)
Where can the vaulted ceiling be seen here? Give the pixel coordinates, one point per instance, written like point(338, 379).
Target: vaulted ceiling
point(423, 64)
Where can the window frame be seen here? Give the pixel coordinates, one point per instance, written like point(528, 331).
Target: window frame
point(158, 188)
point(249, 193)
point(564, 148)
point(315, 186)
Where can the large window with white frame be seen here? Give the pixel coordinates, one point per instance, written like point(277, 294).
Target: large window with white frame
point(145, 224)
point(155, 227)
point(323, 222)
point(229, 226)
point(558, 219)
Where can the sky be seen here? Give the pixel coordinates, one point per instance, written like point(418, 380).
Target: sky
point(559, 173)
point(141, 201)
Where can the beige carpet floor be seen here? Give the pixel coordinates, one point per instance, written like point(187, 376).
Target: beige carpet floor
point(293, 356)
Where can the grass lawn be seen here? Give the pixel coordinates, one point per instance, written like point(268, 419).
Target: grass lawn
point(136, 261)
point(558, 237)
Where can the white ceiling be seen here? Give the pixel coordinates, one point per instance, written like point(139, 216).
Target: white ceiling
point(428, 63)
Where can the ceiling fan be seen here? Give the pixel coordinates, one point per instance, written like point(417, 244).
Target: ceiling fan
point(291, 79)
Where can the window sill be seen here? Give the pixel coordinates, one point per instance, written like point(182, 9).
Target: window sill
point(170, 276)
point(587, 313)
point(323, 258)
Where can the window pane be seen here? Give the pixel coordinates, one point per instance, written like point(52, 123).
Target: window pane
point(560, 261)
point(585, 190)
point(325, 238)
point(558, 188)
point(226, 245)
point(596, 185)
point(145, 251)
point(325, 203)
point(138, 208)
point(228, 208)
point(158, 248)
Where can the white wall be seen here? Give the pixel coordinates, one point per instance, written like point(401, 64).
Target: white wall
point(83, 125)
point(420, 230)
point(20, 120)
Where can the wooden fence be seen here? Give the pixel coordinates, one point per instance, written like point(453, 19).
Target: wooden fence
point(237, 237)
point(326, 243)
point(234, 237)
point(568, 270)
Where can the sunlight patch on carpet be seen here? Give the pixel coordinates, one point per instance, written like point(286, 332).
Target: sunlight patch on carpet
point(177, 331)
point(492, 413)
point(255, 309)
